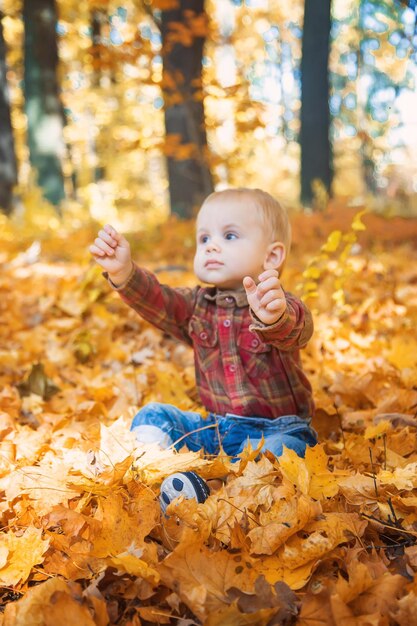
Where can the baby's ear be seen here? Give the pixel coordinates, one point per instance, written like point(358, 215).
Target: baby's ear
point(275, 256)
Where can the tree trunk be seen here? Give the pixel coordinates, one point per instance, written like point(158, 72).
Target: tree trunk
point(42, 103)
point(8, 169)
point(188, 170)
point(98, 19)
point(316, 154)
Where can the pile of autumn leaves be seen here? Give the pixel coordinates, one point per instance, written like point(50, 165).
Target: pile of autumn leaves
point(325, 540)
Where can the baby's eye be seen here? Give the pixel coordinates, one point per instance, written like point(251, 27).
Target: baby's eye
point(204, 238)
point(230, 236)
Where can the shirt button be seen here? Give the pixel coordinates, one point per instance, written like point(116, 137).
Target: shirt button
point(254, 343)
point(226, 323)
point(203, 335)
point(232, 368)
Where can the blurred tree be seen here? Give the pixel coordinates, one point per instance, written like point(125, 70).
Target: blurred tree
point(372, 68)
point(184, 29)
point(99, 17)
point(315, 112)
point(42, 103)
point(8, 169)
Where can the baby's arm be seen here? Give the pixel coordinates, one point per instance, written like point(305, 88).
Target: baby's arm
point(112, 251)
point(165, 307)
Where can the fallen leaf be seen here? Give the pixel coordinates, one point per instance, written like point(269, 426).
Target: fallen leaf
point(23, 553)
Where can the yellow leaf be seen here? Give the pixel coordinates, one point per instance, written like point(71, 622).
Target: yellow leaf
point(401, 477)
point(310, 474)
point(323, 535)
point(312, 272)
point(24, 552)
point(339, 297)
point(372, 432)
point(403, 352)
point(231, 616)
point(333, 241)
point(284, 519)
point(357, 224)
point(135, 566)
point(120, 528)
point(201, 577)
point(274, 571)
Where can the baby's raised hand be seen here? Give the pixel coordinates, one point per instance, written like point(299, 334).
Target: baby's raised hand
point(267, 298)
point(112, 251)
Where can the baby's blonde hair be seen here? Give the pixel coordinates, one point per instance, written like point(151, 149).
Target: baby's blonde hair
point(275, 218)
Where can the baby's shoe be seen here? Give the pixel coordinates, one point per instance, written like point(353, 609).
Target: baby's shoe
point(187, 484)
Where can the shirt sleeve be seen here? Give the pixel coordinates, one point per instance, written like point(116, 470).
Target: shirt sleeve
point(293, 329)
point(165, 307)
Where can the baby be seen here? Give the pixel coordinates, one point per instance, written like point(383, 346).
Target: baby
point(245, 329)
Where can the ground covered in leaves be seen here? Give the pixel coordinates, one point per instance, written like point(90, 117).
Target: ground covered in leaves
point(327, 540)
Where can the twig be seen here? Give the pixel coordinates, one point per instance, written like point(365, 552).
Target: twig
point(192, 432)
point(395, 519)
point(388, 525)
point(373, 473)
point(340, 424)
point(244, 511)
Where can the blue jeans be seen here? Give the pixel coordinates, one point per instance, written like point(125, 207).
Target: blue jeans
point(169, 426)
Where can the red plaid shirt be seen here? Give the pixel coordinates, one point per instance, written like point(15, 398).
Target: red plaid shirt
point(242, 366)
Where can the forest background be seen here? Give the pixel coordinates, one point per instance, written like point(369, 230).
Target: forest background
point(131, 112)
point(106, 102)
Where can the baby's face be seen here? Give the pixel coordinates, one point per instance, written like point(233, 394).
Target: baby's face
point(231, 243)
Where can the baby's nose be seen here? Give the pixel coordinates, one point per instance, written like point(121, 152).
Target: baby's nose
point(212, 245)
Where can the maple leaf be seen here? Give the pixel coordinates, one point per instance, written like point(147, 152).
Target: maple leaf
point(310, 474)
point(201, 577)
point(405, 610)
point(19, 553)
point(119, 528)
point(152, 464)
point(44, 484)
point(315, 610)
point(131, 564)
point(55, 602)
point(375, 431)
point(401, 477)
point(275, 570)
point(232, 616)
point(300, 554)
point(285, 518)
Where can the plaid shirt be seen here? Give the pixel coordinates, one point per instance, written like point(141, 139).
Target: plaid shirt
point(242, 366)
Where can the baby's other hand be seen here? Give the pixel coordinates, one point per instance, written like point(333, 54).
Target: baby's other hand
point(112, 252)
point(267, 298)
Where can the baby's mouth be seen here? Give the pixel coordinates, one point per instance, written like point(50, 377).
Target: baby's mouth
point(212, 263)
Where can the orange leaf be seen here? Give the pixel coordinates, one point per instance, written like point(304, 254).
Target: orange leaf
point(310, 474)
point(19, 553)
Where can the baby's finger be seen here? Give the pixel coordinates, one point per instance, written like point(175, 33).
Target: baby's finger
point(267, 274)
point(96, 251)
point(249, 285)
point(112, 231)
point(109, 239)
point(275, 305)
point(270, 296)
point(103, 246)
point(267, 285)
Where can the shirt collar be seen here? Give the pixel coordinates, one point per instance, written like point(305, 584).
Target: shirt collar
point(227, 297)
